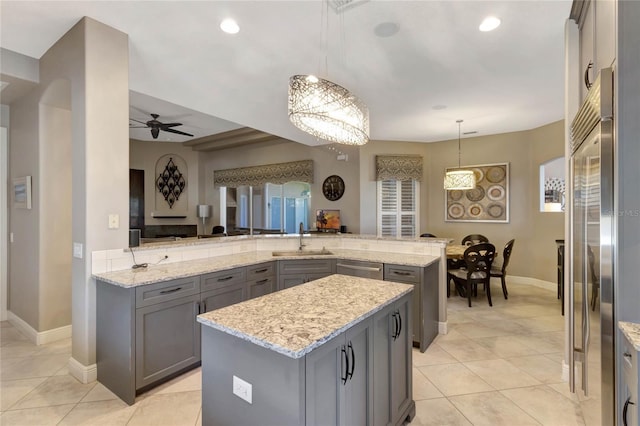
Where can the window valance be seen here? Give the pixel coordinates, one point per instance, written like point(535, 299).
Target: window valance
point(279, 173)
point(399, 167)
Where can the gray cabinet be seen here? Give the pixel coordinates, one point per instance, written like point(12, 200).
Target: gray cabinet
point(631, 406)
point(339, 379)
point(224, 288)
point(146, 334)
point(295, 272)
point(261, 279)
point(392, 364)
point(424, 301)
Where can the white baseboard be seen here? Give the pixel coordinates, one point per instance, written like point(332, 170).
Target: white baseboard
point(547, 285)
point(39, 337)
point(565, 372)
point(442, 327)
point(83, 373)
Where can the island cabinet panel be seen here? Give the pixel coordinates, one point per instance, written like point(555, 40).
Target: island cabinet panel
point(167, 339)
point(339, 382)
point(295, 272)
point(392, 363)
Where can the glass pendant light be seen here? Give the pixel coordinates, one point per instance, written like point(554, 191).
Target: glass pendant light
point(459, 178)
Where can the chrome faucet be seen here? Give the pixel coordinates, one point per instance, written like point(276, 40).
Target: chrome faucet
point(301, 232)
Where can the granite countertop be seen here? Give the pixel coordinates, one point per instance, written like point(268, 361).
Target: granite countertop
point(632, 333)
point(169, 271)
point(297, 320)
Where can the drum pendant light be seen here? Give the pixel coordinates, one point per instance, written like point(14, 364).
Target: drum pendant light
point(459, 178)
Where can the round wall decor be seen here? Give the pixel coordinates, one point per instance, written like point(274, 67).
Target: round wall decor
point(333, 188)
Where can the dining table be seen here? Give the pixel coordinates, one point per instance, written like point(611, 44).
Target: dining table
point(455, 251)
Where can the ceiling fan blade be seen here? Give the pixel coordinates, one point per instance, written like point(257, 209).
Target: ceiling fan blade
point(137, 121)
point(138, 127)
point(163, 125)
point(178, 132)
point(154, 132)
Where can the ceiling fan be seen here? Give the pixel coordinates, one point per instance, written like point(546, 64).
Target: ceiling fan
point(156, 126)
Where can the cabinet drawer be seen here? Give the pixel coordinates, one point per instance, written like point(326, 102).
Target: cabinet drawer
point(225, 296)
point(311, 266)
point(260, 271)
point(405, 274)
point(223, 278)
point(261, 287)
point(161, 292)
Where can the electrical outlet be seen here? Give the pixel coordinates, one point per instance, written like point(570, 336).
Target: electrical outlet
point(77, 250)
point(242, 389)
point(114, 221)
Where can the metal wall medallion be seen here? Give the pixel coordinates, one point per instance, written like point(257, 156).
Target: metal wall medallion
point(171, 183)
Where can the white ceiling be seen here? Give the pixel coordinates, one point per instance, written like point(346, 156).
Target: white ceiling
point(437, 68)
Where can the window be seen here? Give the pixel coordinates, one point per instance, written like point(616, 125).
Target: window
point(398, 208)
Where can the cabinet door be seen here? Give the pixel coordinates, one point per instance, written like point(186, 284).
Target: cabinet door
point(288, 281)
point(383, 331)
point(167, 339)
point(229, 295)
point(261, 287)
point(357, 406)
point(409, 275)
point(587, 47)
point(400, 360)
point(325, 366)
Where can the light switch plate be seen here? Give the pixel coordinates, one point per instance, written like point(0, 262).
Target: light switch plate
point(242, 389)
point(114, 221)
point(77, 250)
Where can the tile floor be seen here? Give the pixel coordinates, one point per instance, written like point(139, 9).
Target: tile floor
point(497, 366)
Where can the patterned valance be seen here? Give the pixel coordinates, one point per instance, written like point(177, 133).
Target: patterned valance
point(300, 171)
point(399, 167)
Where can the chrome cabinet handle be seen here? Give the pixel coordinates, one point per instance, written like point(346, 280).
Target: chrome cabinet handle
point(353, 361)
point(260, 271)
point(225, 278)
point(262, 281)
point(400, 323)
point(344, 359)
point(173, 290)
point(402, 273)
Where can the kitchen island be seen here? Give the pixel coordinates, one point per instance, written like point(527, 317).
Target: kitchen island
point(332, 351)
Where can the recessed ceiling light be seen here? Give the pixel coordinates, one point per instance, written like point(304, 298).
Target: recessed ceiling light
point(489, 23)
point(229, 26)
point(386, 29)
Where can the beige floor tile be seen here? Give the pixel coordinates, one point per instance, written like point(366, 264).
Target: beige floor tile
point(433, 355)
point(451, 335)
point(504, 346)
point(500, 374)
point(171, 409)
point(540, 367)
point(476, 330)
point(108, 413)
point(58, 347)
point(544, 343)
point(23, 368)
point(99, 393)
point(18, 349)
point(56, 390)
point(423, 388)
point(43, 416)
point(454, 379)
point(10, 335)
point(438, 412)
point(546, 405)
point(467, 350)
point(491, 409)
point(11, 391)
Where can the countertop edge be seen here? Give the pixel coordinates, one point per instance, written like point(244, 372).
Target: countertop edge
point(632, 332)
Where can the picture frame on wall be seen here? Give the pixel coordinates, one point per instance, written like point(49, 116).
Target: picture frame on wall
point(487, 202)
point(22, 192)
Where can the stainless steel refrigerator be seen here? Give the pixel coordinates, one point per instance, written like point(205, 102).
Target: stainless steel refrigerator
point(591, 249)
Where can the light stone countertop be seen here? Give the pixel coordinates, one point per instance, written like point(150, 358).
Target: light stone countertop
point(297, 320)
point(169, 271)
point(632, 333)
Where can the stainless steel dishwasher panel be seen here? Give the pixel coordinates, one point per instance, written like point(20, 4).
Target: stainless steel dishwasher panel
point(358, 268)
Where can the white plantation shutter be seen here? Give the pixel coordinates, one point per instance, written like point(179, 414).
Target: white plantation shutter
point(397, 208)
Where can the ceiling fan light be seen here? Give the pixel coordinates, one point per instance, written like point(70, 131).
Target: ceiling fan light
point(459, 179)
point(229, 26)
point(327, 110)
point(489, 23)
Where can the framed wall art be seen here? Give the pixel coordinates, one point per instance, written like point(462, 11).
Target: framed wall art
point(22, 192)
point(487, 202)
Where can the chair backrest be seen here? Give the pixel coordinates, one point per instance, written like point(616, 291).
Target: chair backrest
point(479, 258)
point(428, 235)
point(592, 265)
point(218, 229)
point(506, 255)
point(474, 239)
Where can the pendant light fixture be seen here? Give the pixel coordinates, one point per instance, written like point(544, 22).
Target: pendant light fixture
point(459, 178)
point(325, 109)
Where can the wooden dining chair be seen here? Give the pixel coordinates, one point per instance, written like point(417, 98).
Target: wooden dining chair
point(478, 259)
point(501, 271)
point(474, 239)
point(595, 280)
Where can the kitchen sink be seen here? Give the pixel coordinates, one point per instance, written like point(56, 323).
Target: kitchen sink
point(322, 252)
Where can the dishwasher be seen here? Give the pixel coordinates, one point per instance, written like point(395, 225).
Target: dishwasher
point(358, 268)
